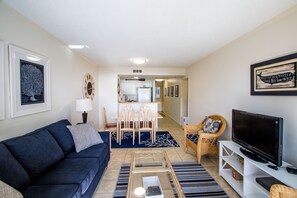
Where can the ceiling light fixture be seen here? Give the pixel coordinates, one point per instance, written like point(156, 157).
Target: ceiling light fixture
point(78, 46)
point(139, 60)
point(33, 58)
point(159, 80)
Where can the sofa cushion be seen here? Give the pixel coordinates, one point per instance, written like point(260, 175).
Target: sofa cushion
point(96, 151)
point(10, 168)
point(62, 134)
point(36, 151)
point(105, 136)
point(72, 171)
point(50, 191)
point(84, 136)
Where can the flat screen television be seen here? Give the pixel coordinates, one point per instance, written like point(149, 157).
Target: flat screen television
point(261, 136)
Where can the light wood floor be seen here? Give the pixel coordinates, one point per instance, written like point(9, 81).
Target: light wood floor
point(118, 156)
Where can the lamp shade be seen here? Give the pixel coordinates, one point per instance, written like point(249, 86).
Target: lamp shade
point(83, 105)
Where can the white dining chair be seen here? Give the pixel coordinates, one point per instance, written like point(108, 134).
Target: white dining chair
point(126, 123)
point(146, 123)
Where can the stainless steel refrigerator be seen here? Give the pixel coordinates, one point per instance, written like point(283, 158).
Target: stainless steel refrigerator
point(144, 94)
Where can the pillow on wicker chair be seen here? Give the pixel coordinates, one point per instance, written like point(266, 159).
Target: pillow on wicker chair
point(211, 126)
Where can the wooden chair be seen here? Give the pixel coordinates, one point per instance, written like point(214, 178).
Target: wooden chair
point(126, 123)
point(281, 191)
point(111, 127)
point(146, 123)
point(107, 125)
point(206, 142)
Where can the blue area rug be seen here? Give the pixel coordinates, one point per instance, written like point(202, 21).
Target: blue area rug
point(163, 139)
point(193, 178)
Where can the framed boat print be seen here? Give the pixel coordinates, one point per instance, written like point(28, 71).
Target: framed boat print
point(275, 77)
point(176, 90)
point(29, 82)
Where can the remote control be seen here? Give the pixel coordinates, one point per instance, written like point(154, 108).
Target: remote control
point(273, 167)
point(291, 170)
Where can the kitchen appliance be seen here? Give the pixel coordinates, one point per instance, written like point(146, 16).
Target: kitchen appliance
point(144, 94)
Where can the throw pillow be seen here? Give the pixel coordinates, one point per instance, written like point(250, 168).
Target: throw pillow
point(8, 191)
point(84, 136)
point(211, 126)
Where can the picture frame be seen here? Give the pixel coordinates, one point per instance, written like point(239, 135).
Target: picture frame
point(168, 91)
point(29, 82)
point(275, 77)
point(158, 92)
point(171, 91)
point(2, 98)
point(176, 90)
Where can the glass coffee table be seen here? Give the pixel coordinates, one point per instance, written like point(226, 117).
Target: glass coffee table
point(152, 175)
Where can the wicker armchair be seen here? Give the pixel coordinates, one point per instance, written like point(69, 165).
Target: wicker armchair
point(206, 142)
point(281, 191)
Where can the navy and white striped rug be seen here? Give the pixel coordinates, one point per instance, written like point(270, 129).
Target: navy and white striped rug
point(193, 178)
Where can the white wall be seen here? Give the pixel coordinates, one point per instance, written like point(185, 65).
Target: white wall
point(108, 79)
point(67, 70)
point(221, 81)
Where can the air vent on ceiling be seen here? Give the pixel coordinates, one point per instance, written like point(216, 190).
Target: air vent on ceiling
point(137, 70)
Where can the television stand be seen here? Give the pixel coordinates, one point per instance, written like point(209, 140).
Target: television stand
point(252, 155)
point(241, 172)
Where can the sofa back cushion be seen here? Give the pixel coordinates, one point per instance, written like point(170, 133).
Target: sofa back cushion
point(36, 151)
point(62, 134)
point(11, 171)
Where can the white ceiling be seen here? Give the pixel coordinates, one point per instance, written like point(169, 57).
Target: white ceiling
point(170, 33)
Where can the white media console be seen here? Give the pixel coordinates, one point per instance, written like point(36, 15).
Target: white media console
point(249, 169)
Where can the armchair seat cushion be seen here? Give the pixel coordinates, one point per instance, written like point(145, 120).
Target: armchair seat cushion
point(193, 137)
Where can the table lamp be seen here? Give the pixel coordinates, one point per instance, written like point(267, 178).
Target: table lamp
point(83, 105)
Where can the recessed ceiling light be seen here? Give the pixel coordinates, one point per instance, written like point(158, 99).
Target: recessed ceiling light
point(78, 46)
point(139, 60)
point(33, 58)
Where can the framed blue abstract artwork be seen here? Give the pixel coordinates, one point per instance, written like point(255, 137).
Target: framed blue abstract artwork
point(29, 82)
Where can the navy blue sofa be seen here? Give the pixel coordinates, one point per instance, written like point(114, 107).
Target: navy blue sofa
point(44, 163)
